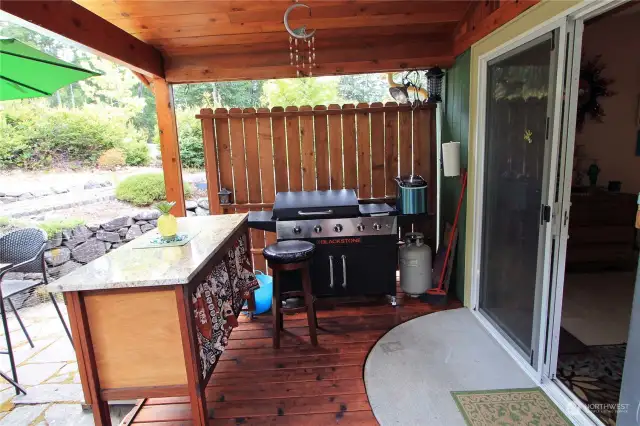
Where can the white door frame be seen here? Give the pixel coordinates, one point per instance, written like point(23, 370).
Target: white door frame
point(556, 24)
point(571, 23)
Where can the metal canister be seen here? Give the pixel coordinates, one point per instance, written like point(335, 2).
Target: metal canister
point(411, 197)
point(415, 264)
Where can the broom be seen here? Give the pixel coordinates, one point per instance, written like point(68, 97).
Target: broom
point(437, 295)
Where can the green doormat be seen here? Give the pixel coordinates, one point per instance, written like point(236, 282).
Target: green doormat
point(509, 407)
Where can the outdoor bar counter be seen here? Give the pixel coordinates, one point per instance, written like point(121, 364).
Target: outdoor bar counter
point(152, 322)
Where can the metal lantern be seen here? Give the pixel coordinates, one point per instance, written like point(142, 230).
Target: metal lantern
point(224, 197)
point(434, 84)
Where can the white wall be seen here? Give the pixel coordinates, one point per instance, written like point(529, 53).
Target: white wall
point(613, 142)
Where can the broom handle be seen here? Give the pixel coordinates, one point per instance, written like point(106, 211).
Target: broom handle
point(453, 231)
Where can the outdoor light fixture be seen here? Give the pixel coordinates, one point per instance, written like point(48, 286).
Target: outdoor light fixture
point(224, 197)
point(411, 85)
point(434, 84)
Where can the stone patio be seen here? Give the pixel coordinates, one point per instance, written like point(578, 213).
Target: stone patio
point(48, 372)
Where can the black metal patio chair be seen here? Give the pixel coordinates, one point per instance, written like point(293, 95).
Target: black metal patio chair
point(24, 249)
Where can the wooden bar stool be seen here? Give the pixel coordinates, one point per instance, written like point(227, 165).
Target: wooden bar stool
point(291, 255)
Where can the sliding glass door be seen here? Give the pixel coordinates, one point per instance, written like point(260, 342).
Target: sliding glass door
point(520, 97)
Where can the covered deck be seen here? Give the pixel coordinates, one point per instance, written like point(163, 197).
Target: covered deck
point(296, 384)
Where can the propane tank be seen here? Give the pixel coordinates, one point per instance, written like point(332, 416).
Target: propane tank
point(415, 264)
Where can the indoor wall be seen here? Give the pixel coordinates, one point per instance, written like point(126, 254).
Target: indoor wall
point(612, 143)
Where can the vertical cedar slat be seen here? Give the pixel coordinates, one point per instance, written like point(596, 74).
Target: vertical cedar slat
point(421, 154)
point(279, 151)
point(224, 151)
point(377, 152)
point(405, 143)
point(238, 161)
point(265, 141)
point(253, 178)
point(363, 143)
point(210, 162)
point(308, 156)
point(349, 146)
point(335, 148)
point(322, 148)
point(293, 150)
point(391, 148)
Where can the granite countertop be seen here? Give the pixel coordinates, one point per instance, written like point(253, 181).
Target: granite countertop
point(129, 266)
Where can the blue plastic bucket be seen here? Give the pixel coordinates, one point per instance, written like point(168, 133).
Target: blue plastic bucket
point(264, 293)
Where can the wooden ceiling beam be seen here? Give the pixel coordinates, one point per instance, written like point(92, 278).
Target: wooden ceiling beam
point(78, 24)
point(483, 18)
point(195, 74)
point(396, 49)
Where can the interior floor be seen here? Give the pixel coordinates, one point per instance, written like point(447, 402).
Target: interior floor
point(595, 324)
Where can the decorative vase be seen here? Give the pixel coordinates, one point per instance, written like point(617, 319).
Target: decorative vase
point(167, 223)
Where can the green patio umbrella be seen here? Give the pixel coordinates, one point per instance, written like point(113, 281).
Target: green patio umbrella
point(25, 72)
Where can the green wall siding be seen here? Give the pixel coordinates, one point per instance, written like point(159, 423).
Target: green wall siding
point(455, 127)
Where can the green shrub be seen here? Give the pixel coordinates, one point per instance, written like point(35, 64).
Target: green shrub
point(32, 137)
point(52, 227)
point(145, 189)
point(111, 158)
point(190, 137)
point(136, 154)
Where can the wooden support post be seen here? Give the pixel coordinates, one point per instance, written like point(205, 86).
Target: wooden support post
point(211, 162)
point(169, 147)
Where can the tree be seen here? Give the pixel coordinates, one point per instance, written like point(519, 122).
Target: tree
point(301, 91)
point(364, 88)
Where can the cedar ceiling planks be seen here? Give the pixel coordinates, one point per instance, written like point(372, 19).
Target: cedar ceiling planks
point(207, 40)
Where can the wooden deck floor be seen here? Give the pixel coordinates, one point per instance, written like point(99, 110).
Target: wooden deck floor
point(297, 384)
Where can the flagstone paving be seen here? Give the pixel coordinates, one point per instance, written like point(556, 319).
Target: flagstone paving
point(48, 372)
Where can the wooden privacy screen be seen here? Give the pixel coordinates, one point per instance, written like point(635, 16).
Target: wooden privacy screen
point(255, 154)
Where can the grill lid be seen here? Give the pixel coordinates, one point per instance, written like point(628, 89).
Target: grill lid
point(315, 204)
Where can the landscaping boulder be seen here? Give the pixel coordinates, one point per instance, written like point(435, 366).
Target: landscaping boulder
point(141, 222)
point(146, 227)
point(134, 232)
point(14, 276)
point(54, 241)
point(203, 203)
point(76, 236)
point(190, 213)
point(154, 222)
point(116, 245)
point(92, 184)
point(191, 205)
point(59, 190)
point(63, 269)
point(107, 246)
point(93, 227)
point(147, 215)
point(57, 256)
point(116, 224)
point(108, 236)
point(86, 252)
point(201, 212)
point(26, 196)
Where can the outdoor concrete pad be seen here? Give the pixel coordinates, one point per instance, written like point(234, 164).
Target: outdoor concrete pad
point(411, 371)
point(41, 394)
point(68, 415)
point(22, 416)
point(60, 351)
point(35, 374)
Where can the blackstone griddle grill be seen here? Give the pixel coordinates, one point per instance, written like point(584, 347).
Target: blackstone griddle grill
point(356, 250)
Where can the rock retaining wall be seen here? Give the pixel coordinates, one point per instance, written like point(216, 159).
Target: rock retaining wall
point(72, 248)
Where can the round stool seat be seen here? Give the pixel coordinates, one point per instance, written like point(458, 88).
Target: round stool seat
point(291, 251)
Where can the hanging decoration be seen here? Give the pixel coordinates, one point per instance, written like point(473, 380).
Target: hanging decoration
point(592, 86)
point(410, 90)
point(302, 45)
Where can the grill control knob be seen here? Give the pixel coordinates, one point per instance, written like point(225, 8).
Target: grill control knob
point(377, 226)
point(360, 227)
point(297, 230)
point(317, 229)
point(337, 228)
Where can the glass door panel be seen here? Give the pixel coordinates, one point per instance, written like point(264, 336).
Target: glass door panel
point(520, 89)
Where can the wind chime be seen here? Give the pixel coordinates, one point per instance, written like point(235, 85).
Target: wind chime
point(302, 45)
